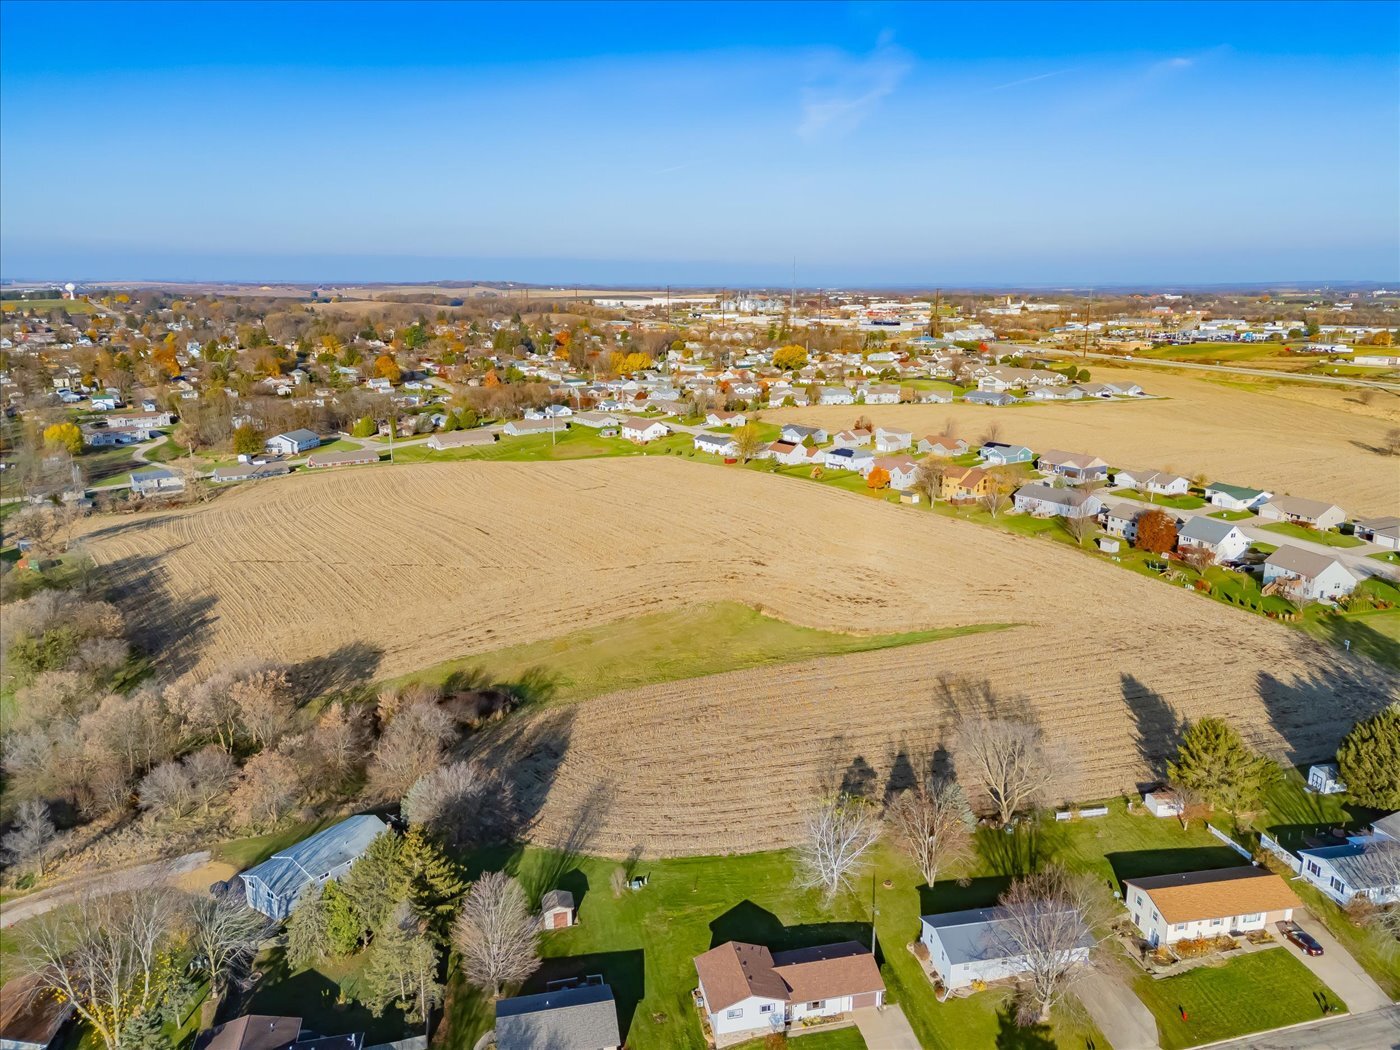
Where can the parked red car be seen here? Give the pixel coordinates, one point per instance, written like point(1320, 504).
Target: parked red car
point(1305, 941)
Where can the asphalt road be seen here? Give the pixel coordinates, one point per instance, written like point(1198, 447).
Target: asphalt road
point(1377, 1030)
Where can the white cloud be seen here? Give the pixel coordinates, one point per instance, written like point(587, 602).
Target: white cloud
point(843, 89)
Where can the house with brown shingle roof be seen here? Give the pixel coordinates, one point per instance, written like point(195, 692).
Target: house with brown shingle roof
point(1169, 908)
point(747, 988)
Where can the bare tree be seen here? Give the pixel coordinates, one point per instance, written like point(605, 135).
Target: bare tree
point(340, 738)
point(211, 772)
point(33, 838)
point(1080, 526)
point(263, 698)
point(1392, 442)
point(1009, 759)
point(928, 477)
point(267, 789)
point(997, 493)
point(225, 934)
point(933, 823)
point(104, 954)
point(837, 833)
point(411, 746)
point(448, 802)
point(991, 433)
point(165, 792)
point(496, 935)
point(1049, 918)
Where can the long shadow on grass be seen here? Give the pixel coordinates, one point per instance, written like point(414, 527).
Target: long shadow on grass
point(312, 996)
point(623, 971)
point(1013, 1036)
point(1020, 848)
point(1143, 863)
point(951, 895)
point(749, 923)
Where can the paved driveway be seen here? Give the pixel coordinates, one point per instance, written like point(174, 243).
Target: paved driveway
point(1119, 1013)
point(1337, 969)
point(883, 1029)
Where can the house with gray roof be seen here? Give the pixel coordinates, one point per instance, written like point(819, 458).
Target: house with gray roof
point(1316, 576)
point(975, 945)
point(1046, 501)
point(1313, 513)
point(293, 442)
point(579, 1018)
point(1224, 540)
point(156, 481)
point(1384, 532)
point(1364, 866)
point(274, 886)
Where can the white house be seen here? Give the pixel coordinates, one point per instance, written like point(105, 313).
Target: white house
point(643, 430)
point(855, 459)
point(1170, 908)
point(1318, 576)
point(1383, 532)
point(716, 445)
point(976, 945)
point(881, 395)
point(1046, 501)
point(1324, 779)
point(1365, 866)
point(1235, 497)
point(460, 439)
point(153, 481)
point(837, 395)
point(1156, 482)
point(1302, 511)
point(850, 438)
point(796, 433)
point(944, 446)
point(726, 419)
point(1073, 466)
point(523, 427)
point(902, 470)
point(747, 988)
point(1224, 540)
point(293, 442)
point(887, 439)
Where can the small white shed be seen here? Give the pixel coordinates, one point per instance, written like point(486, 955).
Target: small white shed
point(1162, 804)
point(1325, 779)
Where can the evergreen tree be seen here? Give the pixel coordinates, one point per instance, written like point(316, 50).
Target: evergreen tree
point(1214, 763)
point(435, 884)
point(1369, 760)
point(375, 882)
point(308, 933)
point(402, 969)
point(346, 928)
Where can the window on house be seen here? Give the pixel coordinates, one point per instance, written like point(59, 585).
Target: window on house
point(1217, 922)
point(1251, 918)
point(819, 1004)
point(737, 1012)
point(1338, 885)
point(1180, 926)
point(766, 1008)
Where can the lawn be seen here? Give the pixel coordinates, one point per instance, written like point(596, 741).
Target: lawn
point(644, 943)
point(1174, 502)
point(840, 1039)
point(577, 443)
point(46, 306)
point(1232, 515)
point(1251, 993)
point(244, 853)
point(1389, 557)
point(659, 647)
point(341, 445)
point(1213, 352)
point(1299, 532)
point(324, 998)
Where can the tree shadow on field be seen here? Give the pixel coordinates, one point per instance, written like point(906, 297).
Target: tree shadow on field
point(349, 669)
point(173, 630)
point(1020, 848)
point(748, 923)
point(1157, 727)
point(1313, 711)
point(526, 753)
point(1012, 1035)
point(962, 894)
point(560, 862)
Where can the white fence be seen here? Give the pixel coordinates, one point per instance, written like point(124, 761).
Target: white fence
point(1272, 845)
point(1230, 842)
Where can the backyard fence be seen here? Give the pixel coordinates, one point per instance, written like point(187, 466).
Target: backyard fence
point(1230, 842)
point(1272, 845)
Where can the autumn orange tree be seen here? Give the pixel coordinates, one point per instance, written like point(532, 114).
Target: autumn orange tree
point(789, 358)
point(387, 368)
point(879, 478)
point(1156, 532)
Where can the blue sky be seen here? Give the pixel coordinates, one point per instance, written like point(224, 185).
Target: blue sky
point(872, 143)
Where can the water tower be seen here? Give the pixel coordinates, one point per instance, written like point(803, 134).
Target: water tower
point(68, 290)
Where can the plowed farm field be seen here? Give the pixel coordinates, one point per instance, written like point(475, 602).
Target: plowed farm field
point(419, 564)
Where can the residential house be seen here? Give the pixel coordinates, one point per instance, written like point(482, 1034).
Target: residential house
point(1076, 467)
point(999, 454)
point(1193, 904)
point(851, 438)
point(1004, 378)
point(790, 455)
point(1046, 501)
point(149, 419)
point(881, 395)
point(836, 395)
point(1364, 866)
point(156, 481)
point(1224, 540)
point(460, 439)
point(1054, 393)
point(642, 431)
point(583, 1017)
point(1099, 390)
point(933, 396)
point(978, 945)
point(847, 459)
point(716, 444)
point(596, 420)
point(887, 439)
point(31, 1016)
point(1300, 511)
point(292, 443)
point(1120, 519)
point(726, 419)
point(944, 446)
point(1314, 575)
point(248, 472)
point(1384, 532)
point(964, 484)
point(1235, 497)
point(274, 886)
point(1125, 389)
point(263, 1032)
point(747, 988)
point(988, 397)
point(900, 468)
point(1154, 482)
point(522, 427)
point(797, 434)
point(355, 458)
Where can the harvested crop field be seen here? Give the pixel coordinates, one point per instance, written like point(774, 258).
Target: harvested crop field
point(1314, 441)
point(392, 569)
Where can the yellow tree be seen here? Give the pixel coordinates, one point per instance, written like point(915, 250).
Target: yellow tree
point(64, 436)
point(387, 368)
point(789, 358)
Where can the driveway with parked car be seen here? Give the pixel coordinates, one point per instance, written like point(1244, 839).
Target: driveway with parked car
point(1337, 969)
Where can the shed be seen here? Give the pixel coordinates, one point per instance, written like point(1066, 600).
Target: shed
point(274, 886)
point(1325, 779)
point(557, 910)
point(1162, 804)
